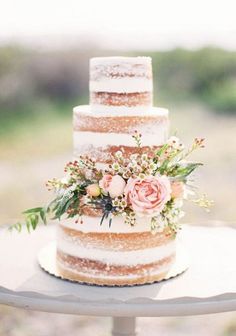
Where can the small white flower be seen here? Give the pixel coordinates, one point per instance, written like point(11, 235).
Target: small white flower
point(133, 157)
point(115, 202)
point(153, 166)
point(158, 225)
point(116, 166)
point(178, 203)
point(142, 176)
point(144, 164)
point(175, 143)
point(66, 179)
point(144, 157)
point(119, 154)
point(132, 164)
point(73, 187)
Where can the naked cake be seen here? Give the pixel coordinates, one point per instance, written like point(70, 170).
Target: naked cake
point(121, 95)
point(120, 202)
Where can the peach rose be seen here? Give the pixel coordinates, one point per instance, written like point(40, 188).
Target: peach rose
point(148, 196)
point(93, 190)
point(177, 189)
point(114, 185)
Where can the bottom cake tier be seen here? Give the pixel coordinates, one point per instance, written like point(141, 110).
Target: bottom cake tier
point(116, 256)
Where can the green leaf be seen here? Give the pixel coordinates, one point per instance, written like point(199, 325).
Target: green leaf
point(160, 151)
point(163, 167)
point(43, 215)
point(61, 209)
point(33, 210)
point(57, 207)
point(17, 227)
point(71, 215)
point(63, 202)
point(34, 219)
point(62, 206)
point(28, 224)
point(49, 207)
point(183, 171)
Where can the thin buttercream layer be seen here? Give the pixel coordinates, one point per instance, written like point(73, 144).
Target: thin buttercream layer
point(101, 146)
point(94, 272)
point(115, 241)
point(91, 224)
point(121, 85)
point(153, 120)
point(103, 140)
point(120, 60)
point(109, 111)
point(120, 67)
point(114, 257)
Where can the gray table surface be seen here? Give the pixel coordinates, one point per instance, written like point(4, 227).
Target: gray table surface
point(208, 286)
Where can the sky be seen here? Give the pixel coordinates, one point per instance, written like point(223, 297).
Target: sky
point(119, 24)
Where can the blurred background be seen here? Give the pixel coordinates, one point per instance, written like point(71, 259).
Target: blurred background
point(44, 53)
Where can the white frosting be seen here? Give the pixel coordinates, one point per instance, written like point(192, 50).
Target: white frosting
point(136, 257)
point(114, 60)
point(121, 85)
point(97, 111)
point(86, 141)
point(91, 224)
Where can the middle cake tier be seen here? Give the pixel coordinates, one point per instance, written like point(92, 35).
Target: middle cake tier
point(98, 135)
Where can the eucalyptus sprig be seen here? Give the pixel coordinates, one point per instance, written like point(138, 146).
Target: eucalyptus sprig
point(32, 219)
point(66, 203)
point(182, 171)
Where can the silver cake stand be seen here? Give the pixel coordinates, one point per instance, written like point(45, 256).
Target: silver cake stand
point(208, 286)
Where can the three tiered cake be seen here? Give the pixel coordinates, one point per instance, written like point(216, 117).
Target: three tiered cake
point(120, 202)
point(121, 93)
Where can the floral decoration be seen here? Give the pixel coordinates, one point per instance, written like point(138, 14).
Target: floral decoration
point(153, 185)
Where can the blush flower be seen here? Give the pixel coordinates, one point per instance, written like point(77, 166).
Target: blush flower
point(114, 185)
point(177, 189)
point(93, 190)
point(104, 183)
point(148, 196)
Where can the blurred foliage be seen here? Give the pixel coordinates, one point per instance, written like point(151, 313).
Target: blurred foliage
point(222, 97)
point(31, 80)
point(208, 75)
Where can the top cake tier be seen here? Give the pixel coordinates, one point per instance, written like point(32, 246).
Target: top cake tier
point(120, 83)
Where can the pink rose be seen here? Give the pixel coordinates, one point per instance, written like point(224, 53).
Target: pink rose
point(177, 189)
point(148, 196)
point(105, 182)
point(114, 185)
